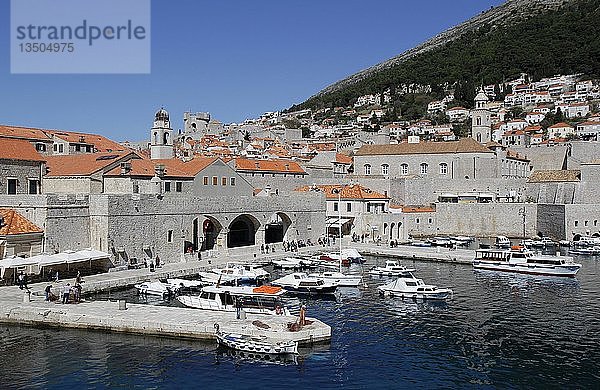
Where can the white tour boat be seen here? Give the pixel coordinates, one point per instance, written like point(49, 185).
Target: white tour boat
point(255, 344)
point(392, 268)
point(341, 279)
point(300, 282)
point(242, 272)
point(253, 300)
point(156, 288)
point(525, 262)
point(413, 288)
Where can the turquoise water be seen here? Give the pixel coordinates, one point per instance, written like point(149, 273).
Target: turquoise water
point(498, 331)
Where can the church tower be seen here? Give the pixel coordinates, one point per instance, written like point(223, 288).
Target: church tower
point(161, 136)
point(481, 126)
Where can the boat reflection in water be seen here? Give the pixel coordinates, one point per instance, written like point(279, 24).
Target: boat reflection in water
point(224, 353)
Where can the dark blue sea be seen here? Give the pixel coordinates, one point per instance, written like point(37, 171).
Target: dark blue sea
point(499, 331)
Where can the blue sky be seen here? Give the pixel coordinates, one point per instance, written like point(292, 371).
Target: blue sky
point(235, 59)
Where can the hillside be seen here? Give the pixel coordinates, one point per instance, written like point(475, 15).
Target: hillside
point(538, 37)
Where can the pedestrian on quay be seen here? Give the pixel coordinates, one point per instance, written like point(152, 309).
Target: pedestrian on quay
point(25, 281)
point(20, 279)
point(78, 279)
point(157, 261)
point(262, 248)
point(66, 293)
point(199, 255)
point(267, 248)
point(48, 292)
point(56, 277)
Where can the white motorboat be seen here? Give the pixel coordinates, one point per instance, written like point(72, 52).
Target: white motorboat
point(392, 268)
point(341, 279)
point(255, 344)
point(300, 282)
point(420, 243)
point(502, 242)
point(185, 284)
point(593, 251)
point(524, 261)
point(155, 288)
point(253, 300)
point(441, 241)
point(242, 272)
point(292, 263)
point(349, 256)
point(413, 288)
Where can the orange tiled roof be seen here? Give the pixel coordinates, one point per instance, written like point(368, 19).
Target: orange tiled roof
point(354, 191)
point(24, 133)
point(15, 223)
point(146, 168)
point(464, 145)
point(277, 166)
point(418, 209)
point(82, 164)
point(18, 149)
point(191, 167)
point(101, 144)
point(342, 158)
point(560, 126)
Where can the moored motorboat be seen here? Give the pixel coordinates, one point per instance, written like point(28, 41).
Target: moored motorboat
point(502, 242)
point(292, 263)
point(255, 344)
point(341, 279)
point(524, 261)
point(349, 256)
point(414, 288)
point(391, 268)
point(300, 282)
point(155, 288)
point(253, 300)
point(242, 272)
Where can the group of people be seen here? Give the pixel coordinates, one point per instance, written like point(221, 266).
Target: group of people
point(326, 241)
point(154, 263)
point(68, 293)
point(265, 248)
point(293, 246)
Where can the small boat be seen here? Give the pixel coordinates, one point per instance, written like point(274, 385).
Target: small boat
point(441, 241)
point(422, 244)
point(564, 243)
point(341, 279)
point(413, 288)
point(253, 300)
point(292, 263)
point(300, 282)
point(502, 242)
point(242, 272)
point(255, 344)
point(349, 256)
point(392, 268)
point(185, 284)
point(463, 239)
point(156, 288)
point(525, 262)
point(594, 251)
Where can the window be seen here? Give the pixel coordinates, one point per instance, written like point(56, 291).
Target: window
point(417, 220)
point(136, 188)
point(404, 169)
point(205, 180)
point(585, 223)
point(348, 207)
point(40, 147)
point(335, 206)
point(232, 181)
point(423, 168)
point(61, 148)
point(215, 181)
point(12, 186)
point(178, 186)
point(385, 169)
point(367, 169)
point(33, 186)
point(170, 236)
point(443, 169)
point(55, 147)
point(167, 186)
point(430, 221)
point(576, 223)
point(78, 148)
point(223, 181)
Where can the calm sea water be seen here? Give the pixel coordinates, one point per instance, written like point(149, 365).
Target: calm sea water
point(498, 331)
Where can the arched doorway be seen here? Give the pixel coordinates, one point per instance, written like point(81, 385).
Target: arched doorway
point(276, 228)
point(210, 231)
point(242, 231)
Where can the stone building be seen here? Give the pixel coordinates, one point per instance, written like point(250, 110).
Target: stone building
point(481, 129)
point(21, 167)
point(18, 235)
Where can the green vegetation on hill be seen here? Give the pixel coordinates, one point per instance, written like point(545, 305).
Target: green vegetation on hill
point(565, 41)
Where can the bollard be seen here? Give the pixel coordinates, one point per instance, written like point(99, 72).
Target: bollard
point(26, 296)
point(122, 304)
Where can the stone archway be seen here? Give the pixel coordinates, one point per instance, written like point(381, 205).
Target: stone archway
point(209, 231)
point(276, 228)
point(242, 231)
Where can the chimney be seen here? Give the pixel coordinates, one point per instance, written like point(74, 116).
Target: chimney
point(81, 138)
point(159, 170)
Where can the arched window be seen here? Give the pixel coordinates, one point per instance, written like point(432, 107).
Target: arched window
point(166, 139)
point(443, 169)
point(423, 169)
point(404, 169)
point(367, 169)
point(155, 138)
point(478, 137)
point(478, 121)
point(385, 169)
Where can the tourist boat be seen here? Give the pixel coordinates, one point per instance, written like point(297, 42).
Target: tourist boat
point(339, 278)
point(300, 282)
point(411, 287)
point(593, 251)
point(156, 288)
point(255, 344)
point(524, 261)
point(392, 268)
point(502, 242)
point(253, 300)
point(242, 272)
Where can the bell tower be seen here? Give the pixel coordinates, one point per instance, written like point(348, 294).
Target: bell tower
point(161, 136)
point(481, 126)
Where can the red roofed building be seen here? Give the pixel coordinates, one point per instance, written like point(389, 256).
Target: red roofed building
point(18, 235)
point(21, 167)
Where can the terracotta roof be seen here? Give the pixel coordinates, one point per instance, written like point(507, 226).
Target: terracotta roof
point(554, 176)
point(82, 164)
point(146, 168)
point(18, 149)
point(15, 223)
point(342, 158)
point(322, 147)
point(353, 191)
point(277, 166)
point(464, 145)
point(560, 126)
point(418, 209)
point(515, 155)
point(532, 128)
point(24, 133)
point(101, 144)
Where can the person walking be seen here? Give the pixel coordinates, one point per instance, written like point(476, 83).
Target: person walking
point(48, 292)
point(20, 280)
point(66, 293)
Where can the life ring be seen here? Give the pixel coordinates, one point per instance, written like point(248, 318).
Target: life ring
point(278, 310)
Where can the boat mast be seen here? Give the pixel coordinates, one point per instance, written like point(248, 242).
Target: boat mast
point(339, 194)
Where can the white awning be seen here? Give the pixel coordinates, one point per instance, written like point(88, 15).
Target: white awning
point(336, 222)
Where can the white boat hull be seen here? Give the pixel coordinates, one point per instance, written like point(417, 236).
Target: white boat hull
point(566, 270)
point(439, 295)
point(195, 302)
point(256, 344)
